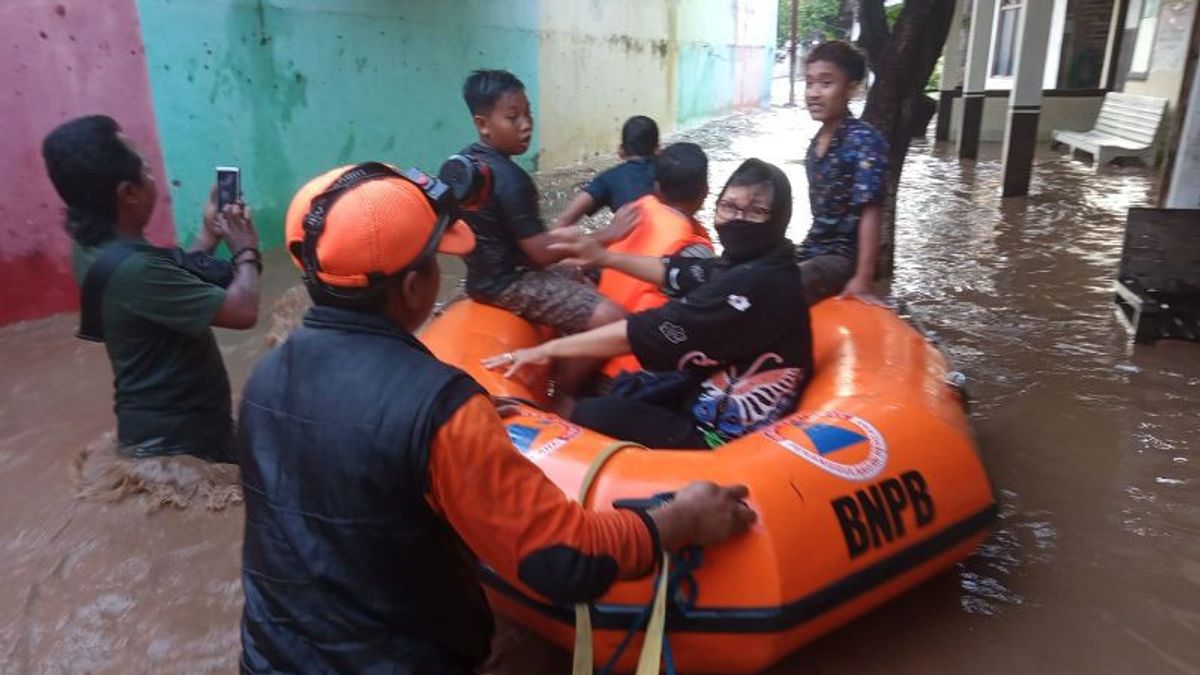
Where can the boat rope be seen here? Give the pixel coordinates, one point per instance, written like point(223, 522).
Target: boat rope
point(676, 585)
point(655, 613)
point(678, 576)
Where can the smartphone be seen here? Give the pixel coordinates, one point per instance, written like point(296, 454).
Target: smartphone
point(229, 185)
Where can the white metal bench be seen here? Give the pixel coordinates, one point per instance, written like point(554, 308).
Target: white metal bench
point(1127, 126)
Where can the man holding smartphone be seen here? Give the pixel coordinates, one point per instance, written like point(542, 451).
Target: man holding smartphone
point(153, 313)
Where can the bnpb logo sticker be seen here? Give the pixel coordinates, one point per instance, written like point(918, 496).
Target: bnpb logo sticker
point(532, 426)
point(844, 445)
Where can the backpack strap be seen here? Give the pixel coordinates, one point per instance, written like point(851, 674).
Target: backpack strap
point(91, 293)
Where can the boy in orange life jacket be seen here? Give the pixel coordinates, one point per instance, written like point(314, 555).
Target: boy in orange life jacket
point(625, 183)
point(512, 266)
point(659, 224)
point(663, 224)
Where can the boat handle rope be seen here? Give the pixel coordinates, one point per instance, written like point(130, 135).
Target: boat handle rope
point(652, 646)
point(687, 561)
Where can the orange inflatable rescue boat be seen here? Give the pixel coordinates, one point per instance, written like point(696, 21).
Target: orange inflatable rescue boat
point(873, 486)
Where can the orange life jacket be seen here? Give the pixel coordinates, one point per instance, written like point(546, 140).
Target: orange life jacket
point(661, 231)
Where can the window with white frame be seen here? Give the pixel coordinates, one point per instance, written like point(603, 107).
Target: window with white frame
point(1143, 16)
point(1008, 25)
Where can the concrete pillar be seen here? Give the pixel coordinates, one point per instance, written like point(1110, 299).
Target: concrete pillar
point(979, 48)
point(1183, 191)
point(1025, 102)
point(952, 71)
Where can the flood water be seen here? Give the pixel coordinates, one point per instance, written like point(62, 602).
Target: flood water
point(1094, 566)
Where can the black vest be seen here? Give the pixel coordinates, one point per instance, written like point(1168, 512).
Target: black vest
point(346, 569)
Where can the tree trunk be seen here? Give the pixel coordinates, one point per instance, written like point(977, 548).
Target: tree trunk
point(902, 60)
point(845, 19)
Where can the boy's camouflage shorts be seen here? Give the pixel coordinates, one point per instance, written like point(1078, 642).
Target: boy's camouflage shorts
point(559, 296)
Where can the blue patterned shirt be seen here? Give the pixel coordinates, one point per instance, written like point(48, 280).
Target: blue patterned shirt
point(851, 175)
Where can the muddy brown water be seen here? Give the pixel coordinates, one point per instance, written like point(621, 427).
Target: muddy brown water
point(1094, 566)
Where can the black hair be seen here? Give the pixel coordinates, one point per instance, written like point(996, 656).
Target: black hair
point(842, 54)
point(484, 87)
point(639, 136)
point(681, 171)
point(757, 172)
point(87, 161)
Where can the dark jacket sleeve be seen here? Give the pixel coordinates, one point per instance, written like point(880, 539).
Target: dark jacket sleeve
point(686, 272)
point(719, 322)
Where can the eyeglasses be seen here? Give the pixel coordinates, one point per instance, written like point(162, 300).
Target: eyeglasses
point(753, 213)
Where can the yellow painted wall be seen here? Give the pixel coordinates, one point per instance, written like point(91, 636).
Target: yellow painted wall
point(677, 61)
point(1160, 83)
point(600, 63)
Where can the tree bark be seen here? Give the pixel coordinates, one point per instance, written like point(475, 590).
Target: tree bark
point(902, 61)
point(875, 32)
point(845, 19)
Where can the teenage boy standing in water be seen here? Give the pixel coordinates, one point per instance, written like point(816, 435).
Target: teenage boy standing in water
point(847, 166)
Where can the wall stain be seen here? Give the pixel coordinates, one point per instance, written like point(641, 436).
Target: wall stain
point(347, 149)
point(264, 112)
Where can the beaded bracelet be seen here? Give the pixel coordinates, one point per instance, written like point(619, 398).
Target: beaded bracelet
point(255, 259)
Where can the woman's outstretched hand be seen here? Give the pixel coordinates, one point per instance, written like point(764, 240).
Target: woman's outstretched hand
point(517, 360)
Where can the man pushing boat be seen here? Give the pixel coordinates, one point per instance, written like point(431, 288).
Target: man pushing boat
point(374, 474)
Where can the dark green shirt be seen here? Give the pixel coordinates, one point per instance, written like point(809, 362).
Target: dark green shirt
point(172, 392)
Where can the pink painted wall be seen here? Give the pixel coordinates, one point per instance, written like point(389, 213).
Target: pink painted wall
point(62, 59)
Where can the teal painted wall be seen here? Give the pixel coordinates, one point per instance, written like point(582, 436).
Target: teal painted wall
point(706, 80)
point(286, 89)
point(725, 57)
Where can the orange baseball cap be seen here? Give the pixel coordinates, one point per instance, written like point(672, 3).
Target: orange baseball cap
point(377, 227)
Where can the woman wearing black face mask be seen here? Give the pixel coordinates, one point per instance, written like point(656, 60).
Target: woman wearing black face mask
point(728, 355)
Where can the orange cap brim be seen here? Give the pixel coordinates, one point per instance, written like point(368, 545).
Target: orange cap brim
point(458, 239)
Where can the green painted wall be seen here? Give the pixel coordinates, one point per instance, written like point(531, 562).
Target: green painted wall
point(678, 61)
point(288, 88)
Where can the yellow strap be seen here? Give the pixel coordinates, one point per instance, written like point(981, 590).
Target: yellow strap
point(652, 641)
point(582, 664)
point(584, 657)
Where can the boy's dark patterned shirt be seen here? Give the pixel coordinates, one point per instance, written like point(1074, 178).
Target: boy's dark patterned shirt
point(852, 174)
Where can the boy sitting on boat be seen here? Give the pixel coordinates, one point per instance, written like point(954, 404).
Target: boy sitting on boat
point(847, 169)
point(624, 183)
point(512, 266)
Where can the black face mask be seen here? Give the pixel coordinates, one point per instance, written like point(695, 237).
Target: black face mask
point(744, 240)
